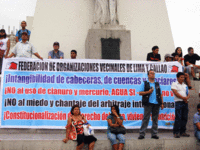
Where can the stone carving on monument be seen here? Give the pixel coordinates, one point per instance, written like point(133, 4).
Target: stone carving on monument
point(105, 15)
point(105, 12)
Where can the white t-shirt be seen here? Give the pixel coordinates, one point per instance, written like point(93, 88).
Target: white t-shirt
point(3, 44)
point(181, 89)
point(23, 49)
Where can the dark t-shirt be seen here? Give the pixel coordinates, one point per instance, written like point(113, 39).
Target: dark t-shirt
point(191, 59)
point(151, 57)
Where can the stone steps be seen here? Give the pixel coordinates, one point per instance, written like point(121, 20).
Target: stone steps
point(193, 102)
point(54, 142)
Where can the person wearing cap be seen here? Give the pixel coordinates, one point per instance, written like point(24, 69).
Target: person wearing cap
point(56, 54)
point(73, 54)
point(196, 122)
point(168, 57)
point(19, 33)
point(4, 46)
point(24, 48)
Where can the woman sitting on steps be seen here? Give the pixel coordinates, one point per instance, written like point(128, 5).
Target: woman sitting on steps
point(74, 130)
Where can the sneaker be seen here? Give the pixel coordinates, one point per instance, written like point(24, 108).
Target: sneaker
point(176, 136)
point(185, 135)
point(141, 137)
point(195, 79)
point(155, 137)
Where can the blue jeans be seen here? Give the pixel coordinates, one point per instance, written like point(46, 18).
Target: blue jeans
point(197, 134)
point(113, 138)
point(181, 117)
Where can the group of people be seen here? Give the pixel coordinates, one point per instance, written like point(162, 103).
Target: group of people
point(188, 62)
point(24, 48)
point(152, 100)
point(150, 91)
point(75, 130)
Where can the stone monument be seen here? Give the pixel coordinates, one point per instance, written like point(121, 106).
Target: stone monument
point(114, 42)
point(89, 25)
point(105, 12)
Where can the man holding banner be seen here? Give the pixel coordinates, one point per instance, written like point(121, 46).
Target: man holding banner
point(152, 100)
point(24, 48)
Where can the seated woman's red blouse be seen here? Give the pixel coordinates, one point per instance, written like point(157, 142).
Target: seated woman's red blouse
point(79, 126)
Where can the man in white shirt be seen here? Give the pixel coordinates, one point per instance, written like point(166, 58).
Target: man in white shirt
point(24, 48)
point(181, 97)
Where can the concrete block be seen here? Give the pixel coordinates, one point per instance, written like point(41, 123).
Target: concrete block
point(93, 48)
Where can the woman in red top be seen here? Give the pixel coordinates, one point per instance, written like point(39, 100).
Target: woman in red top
point(77, 120)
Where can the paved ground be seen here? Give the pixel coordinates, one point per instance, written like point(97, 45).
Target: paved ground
point(99, 136)
point(54, 142)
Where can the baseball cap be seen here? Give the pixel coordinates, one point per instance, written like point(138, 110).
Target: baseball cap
point(168, 55)
point(56, 43)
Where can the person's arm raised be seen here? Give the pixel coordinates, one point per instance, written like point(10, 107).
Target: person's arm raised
point(119, 121)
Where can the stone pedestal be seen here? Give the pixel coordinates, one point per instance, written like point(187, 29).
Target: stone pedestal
point(93, 48)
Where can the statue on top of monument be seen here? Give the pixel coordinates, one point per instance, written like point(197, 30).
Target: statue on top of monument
point(105, 12)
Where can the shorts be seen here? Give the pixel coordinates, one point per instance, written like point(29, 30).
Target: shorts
point(81, 138)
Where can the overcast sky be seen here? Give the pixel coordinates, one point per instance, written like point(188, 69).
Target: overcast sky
point(184, 16)
point(14, 11)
